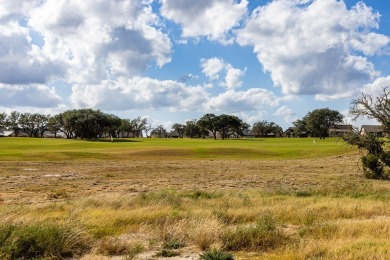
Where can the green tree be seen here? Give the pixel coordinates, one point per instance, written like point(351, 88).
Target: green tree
point(126, 128)
point(139, 124)
point(300, 127)
point(263, 128)
point(112, 125)
point(227, 123)
point(34, 125)
point(54, 125)
point(87, 123)
point(318, 121)
point(159, 131)
point(13, 121)
point(3, 120)
point(209, 122)
point(192, 129)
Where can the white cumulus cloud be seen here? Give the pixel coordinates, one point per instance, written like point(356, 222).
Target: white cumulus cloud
point(211, 18)
point(212, 67)
point(34, 95)
point(21, 61)
point(287, 113)
point(376, 88)
point(315, 47)
point(215, 67)
point(233, 101)
point(233, 77)
point(100, 39)
point(139, 93)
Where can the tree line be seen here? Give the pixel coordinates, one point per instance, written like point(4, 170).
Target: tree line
point(93, 124)
point(76, 123)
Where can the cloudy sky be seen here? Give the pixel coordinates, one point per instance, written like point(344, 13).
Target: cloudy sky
point(175, 60)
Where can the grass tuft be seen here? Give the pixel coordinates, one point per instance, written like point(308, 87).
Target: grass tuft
point(41, 240)
point(215, 254)
point(263, 236)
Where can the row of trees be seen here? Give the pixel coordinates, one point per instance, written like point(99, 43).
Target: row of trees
point(76, 123)
point(92, 124)
point(223, 125)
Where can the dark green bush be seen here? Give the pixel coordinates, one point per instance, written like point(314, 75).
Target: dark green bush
point(372, 166)
point(376, 163)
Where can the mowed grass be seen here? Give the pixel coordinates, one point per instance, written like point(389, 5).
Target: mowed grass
point(153, 148)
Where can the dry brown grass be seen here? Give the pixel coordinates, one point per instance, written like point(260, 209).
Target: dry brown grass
point(32, 182)
point(323, 207)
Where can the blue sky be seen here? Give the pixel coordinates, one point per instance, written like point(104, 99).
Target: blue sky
point(175, 60)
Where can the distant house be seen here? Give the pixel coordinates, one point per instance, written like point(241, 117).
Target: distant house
point(174, 134)
point(375, 130)
point(340, 130)
point(247, 133)
point(292, 132)
point(49, 134)
point(11, 133)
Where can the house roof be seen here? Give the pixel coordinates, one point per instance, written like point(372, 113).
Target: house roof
point(372, 128)
point(341, 127)
point(174, 133)
point(290, 129)
point(8, 133)
point(247, 132)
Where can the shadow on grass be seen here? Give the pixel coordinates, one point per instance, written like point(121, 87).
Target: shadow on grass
point(246, 139)
point(116, 140)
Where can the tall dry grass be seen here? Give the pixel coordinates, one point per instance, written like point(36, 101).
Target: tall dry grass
point(250, 223)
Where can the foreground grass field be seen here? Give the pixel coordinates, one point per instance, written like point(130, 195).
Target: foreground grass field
point(150, 198)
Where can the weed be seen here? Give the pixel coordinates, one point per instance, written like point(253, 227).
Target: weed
point(134, 250)
point(166, 197)
point(215, 254)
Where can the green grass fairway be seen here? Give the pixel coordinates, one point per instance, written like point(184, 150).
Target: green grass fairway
point(34, 149)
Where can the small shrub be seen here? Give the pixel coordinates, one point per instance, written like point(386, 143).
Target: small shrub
point(174, 233)
point(215, 254)
point(111, 246)
point(46, 240)
point(206, 232)
point(134, 250)
point(173, 244)
point(262, 236)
